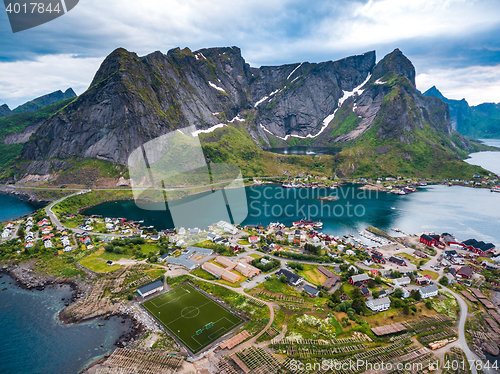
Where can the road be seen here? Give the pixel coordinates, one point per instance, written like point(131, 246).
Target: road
point(464, 312)
point(53, 216)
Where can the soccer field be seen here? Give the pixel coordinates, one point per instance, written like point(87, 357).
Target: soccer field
point(194, 318)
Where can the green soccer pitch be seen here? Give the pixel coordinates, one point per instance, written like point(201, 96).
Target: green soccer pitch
point(191, 316)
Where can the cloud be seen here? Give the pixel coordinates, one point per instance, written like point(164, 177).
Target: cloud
point(477, 84)
point(434, 34)
point(22, 81)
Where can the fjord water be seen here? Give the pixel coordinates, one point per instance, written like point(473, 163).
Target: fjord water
point(12, 207)
point(303, 150)
point(35, 341)
point(488, 160)
point(463, 211)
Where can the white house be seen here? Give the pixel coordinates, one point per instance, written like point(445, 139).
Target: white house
point(368, 262)
point(5, 233)
point(150, 288)
point(350, 252)
point(227, 227)
point(47, 244)
point(402, 281)
point(428, 291)
point(379, 305)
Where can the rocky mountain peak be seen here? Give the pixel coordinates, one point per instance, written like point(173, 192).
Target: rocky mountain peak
point(433, 91)
point(5, 110)
point(395, 63)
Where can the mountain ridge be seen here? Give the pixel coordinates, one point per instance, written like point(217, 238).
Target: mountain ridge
point(479, 121)
point(352, 103)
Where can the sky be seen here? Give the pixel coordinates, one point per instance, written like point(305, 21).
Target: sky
point(453, 44)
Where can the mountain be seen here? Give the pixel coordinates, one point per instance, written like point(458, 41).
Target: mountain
point(5, 110)
point(481, 121)
point(370, 113)
point(45, 100)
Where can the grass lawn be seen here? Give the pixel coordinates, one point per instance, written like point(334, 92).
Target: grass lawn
point(93, 262)
point(255, 255)
point(312, 275)
point(194, 318)
point(273, 284)
point(243, 242)
point(394, 315)
point(200, 273)
point(433, 274)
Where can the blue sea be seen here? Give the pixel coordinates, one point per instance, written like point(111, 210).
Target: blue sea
point(35, 341)
point(12, 207)
point(463, 211)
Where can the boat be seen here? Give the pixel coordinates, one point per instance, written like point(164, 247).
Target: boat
point(304, 222)
point(286, 185)
point(318, 224)
point(400, 192)
point(495, 189)
point(423, 184)
point(393, 208)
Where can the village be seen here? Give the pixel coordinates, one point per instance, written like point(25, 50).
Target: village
point(306, 294)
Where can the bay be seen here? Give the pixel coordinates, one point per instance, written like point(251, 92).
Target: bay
point(13, 207)
point(463, 211)
point(488, 160)
point(35, 341)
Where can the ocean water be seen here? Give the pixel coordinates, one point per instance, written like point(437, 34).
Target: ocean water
point(488, 160)
point(35, 341)
point(463, 211)
point(12, 207)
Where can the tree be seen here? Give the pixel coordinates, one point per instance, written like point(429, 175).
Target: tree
point(376, 294)
point(406, 309)
point(20, 232)
point(378, 279)
point(444, 281)
point(428, 304)
point(283, 278)
point(371, 284)
point(415, 294)
point(398, 293)
point(130, 296)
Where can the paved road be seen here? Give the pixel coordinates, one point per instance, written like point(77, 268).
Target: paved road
point(53, 216)
point(464, 312)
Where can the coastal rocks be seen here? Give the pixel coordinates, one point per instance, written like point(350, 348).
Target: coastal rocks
point(122, 182)
point(492, 349)
point(328, 198)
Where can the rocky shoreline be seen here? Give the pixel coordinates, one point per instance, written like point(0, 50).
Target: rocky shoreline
point(25, 278)
point(26, 195)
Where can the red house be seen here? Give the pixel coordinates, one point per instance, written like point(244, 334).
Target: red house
point(363, 278)
point(422, 281)
point(378, 259)
point(430, 240)
point(465, 272)
point(480, 248)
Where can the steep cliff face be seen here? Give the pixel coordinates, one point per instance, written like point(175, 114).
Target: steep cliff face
point(294, 100)
point(340, 104)
point(135, 99)
point(480, 121)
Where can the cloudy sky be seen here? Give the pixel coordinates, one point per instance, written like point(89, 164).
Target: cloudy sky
point(453, 44)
